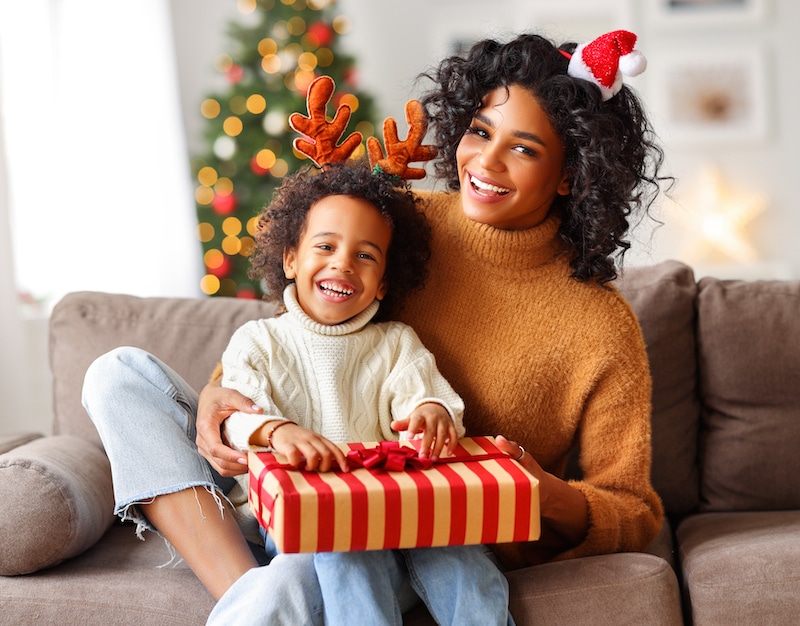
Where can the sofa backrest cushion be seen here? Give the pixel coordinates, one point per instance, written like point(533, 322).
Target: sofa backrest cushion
point(749, 360)
point(188, 334)
point(663, 298)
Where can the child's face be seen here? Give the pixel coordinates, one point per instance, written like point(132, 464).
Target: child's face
point(510, 162)
point(340, 261)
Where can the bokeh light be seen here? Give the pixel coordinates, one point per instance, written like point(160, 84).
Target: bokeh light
point(209, 108)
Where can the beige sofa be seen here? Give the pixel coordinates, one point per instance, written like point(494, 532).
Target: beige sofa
point(725, 358)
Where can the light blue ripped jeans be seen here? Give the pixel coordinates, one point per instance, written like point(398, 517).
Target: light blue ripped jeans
point(145, 414)
point(458, 584)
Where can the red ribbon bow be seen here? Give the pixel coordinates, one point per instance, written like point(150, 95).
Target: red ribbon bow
point(389, 456)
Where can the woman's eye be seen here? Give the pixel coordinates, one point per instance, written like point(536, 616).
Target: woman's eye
point(525, 150)
point(325, 246)
point(479, 132)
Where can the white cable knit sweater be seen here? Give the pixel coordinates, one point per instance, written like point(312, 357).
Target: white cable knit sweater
point(346, 382)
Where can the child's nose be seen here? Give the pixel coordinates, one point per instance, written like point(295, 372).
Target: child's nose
point(342, 263)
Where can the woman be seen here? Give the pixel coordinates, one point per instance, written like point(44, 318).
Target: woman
point(544, 169)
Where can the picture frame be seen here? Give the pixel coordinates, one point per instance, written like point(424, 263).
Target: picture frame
point(705, 13)
point(576, 20)
point(715, 95)
point(455, 37)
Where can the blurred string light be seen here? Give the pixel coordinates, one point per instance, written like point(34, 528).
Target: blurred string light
point(294, 43)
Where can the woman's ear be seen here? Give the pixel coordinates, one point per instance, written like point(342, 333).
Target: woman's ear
point(289, 260)
point(563, 188)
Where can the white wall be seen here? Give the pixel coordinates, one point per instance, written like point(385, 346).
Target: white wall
point(395, 41)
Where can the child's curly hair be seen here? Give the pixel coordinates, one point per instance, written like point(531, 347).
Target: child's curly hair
point(283, 221)
point(611, 156)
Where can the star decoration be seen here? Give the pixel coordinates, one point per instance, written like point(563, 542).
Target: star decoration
point(714, 216)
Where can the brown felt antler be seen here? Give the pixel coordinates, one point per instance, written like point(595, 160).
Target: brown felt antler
point(400, 153)
point(320, 135)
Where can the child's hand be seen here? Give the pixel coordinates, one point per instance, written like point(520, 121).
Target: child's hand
point(437, 428)
point(304, 448)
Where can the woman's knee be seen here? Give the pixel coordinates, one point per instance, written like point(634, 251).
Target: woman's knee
point(115, 374)
point(107, 367)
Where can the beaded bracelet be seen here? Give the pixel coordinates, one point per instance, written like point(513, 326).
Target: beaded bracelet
point(274, 428)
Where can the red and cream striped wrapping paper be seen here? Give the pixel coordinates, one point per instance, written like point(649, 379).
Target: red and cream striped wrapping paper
point(468, 501)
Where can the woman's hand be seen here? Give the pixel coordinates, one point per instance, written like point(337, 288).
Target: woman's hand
point(563, 508)
point(301, 447)
point(215, 404)
point(514, 450)
point(437, 428)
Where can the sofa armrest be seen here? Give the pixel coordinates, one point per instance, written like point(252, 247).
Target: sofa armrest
point(57, 502)
point(15, 440)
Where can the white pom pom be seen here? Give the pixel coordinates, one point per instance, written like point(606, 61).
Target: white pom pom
point(632, 64)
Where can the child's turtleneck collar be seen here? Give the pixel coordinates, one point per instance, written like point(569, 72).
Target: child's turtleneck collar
point(513, 249)
point(354, 324)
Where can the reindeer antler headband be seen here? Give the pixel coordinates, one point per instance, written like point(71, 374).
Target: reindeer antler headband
point(320, 136)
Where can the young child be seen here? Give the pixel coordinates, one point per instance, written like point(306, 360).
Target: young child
point(344, 246)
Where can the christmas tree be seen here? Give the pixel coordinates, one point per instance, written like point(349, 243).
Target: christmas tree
point(276, 54)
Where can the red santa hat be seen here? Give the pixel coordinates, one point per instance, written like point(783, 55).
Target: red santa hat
point(605, 60)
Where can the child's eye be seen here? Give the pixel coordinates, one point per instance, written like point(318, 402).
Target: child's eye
point(325, 246)
point(366, 255)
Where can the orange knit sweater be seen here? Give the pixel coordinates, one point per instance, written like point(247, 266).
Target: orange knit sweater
point(546, 361)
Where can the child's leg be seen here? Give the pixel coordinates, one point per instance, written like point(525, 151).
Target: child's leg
point(361, 587)
point(460, 585)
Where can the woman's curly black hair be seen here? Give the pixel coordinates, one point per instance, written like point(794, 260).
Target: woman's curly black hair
point(611, 156)
point(283, 221)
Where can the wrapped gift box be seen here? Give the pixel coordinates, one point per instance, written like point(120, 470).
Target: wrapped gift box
point(477, 495)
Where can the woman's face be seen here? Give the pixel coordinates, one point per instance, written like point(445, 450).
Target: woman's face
point(510, 162)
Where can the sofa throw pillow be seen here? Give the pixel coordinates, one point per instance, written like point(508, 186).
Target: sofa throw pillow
point(749, 360)
point(663, 298)
point(57, 502)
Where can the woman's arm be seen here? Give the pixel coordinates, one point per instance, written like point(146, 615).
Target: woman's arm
point(217, 403)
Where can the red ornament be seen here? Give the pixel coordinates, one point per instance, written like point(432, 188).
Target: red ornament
point(256, 168)
point(351, 77)
point(246, 293)
point(223, 269)
point(321, 34)
point(224, 204)
point(234, 73)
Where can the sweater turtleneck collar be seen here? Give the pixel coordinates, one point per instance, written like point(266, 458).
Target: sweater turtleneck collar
point(513, 249)
point(301, 318)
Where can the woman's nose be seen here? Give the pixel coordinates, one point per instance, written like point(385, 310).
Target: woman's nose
point(489, 157)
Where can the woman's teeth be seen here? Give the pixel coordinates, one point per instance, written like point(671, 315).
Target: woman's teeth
point(479, 184)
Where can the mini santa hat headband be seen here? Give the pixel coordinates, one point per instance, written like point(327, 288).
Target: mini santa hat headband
point(605, 60)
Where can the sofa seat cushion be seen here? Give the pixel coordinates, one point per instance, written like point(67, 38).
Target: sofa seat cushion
point(741, 567)
point(626, 588)
point(749, 367)
point(120, 580)
point(57, 501)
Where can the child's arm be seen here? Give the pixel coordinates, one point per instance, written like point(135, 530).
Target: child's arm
point(437, 428)
point(299, 445)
